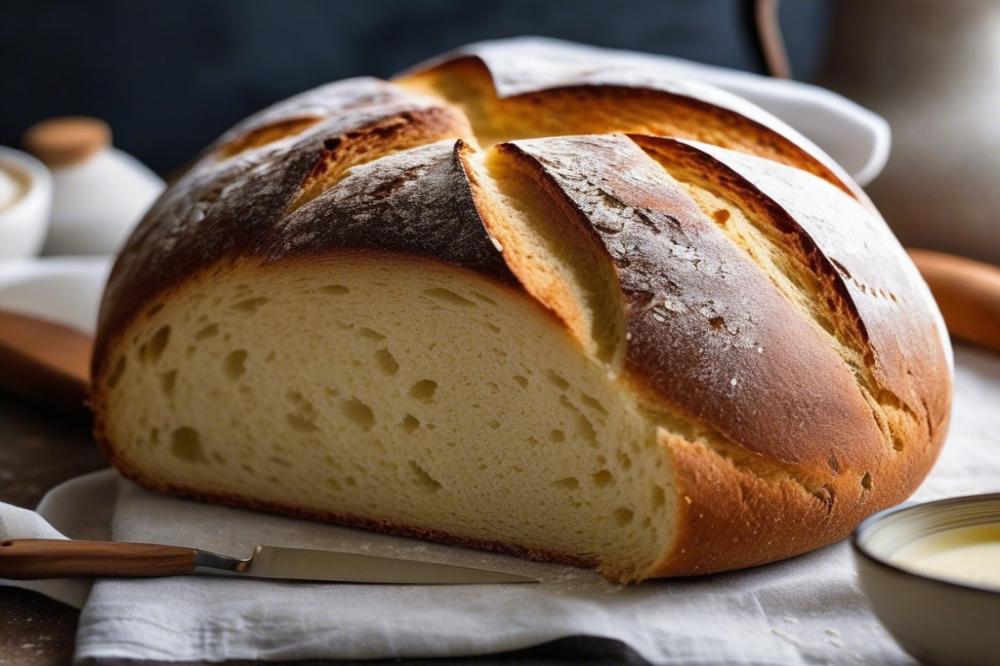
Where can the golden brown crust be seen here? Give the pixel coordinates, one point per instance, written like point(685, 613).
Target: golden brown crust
point(557, 77)
point(232, 204)
point(761, 376)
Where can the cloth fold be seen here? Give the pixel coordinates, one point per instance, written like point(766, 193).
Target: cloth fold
point(806, 610)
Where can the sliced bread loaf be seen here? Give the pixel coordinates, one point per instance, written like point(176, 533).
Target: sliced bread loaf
point(579, 313)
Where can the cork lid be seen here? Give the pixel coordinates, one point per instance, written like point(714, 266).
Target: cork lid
point(67, 139)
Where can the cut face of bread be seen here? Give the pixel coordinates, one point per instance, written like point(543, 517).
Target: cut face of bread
point(393, 391)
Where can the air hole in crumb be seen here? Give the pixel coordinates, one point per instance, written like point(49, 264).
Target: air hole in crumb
point(410, 423)
point(557, 435)
point(866, 481)
point(717, 323)
point(167, 382)
point(366, 332)
point(585, 429)
point(350, 481)
point(521, 380)
point(334, 289)
point(186, 445)
point(303, 418)
point(557, 379)
point(493, 424)
point(625, 460)
point(602, 478)
point(448, 296)
point(386, 362)
point(235, 364)
point(301, 424)
point(623, 516)
point(154, 437)
point(117, 373)
point(154, 348)
point(423, 479)
point(250, 305)
point(207, 332)
point(569, 483)
point(358, 412)
point(484, 299)
point(424, 390)
point(593, 403)
point(659, 496)
point(335, 484)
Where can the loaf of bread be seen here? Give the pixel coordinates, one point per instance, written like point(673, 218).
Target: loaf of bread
point(558, 306)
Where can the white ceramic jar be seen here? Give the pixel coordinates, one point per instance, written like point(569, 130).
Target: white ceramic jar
point(99, 192)
point(25, 201)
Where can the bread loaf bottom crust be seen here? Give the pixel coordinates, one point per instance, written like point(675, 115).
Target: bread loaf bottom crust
point(557, 464)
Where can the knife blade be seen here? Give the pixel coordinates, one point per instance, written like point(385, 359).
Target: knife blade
point(325, 565)
point(26, 559)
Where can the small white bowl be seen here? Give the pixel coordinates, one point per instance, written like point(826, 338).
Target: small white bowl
point(937, 621)
point(24, 224)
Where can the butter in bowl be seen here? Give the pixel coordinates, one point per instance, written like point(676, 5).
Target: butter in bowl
point(932, 574)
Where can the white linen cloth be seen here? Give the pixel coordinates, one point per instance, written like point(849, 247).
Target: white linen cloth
point(807, 610)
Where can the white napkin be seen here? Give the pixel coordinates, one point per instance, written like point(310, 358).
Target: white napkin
point(804, 611)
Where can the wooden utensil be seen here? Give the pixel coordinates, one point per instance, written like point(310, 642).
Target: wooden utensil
point(45, 361)
point(968, 293)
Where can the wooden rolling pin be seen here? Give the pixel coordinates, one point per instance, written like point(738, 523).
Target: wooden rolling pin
point(45, 361)
point(968, 293)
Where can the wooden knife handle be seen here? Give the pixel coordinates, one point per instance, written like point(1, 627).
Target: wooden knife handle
point(28, 559)
point(968, 293)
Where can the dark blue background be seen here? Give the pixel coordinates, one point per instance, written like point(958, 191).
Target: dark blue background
point(171, 76)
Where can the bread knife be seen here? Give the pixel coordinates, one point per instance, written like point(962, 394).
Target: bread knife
point(30, 559)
